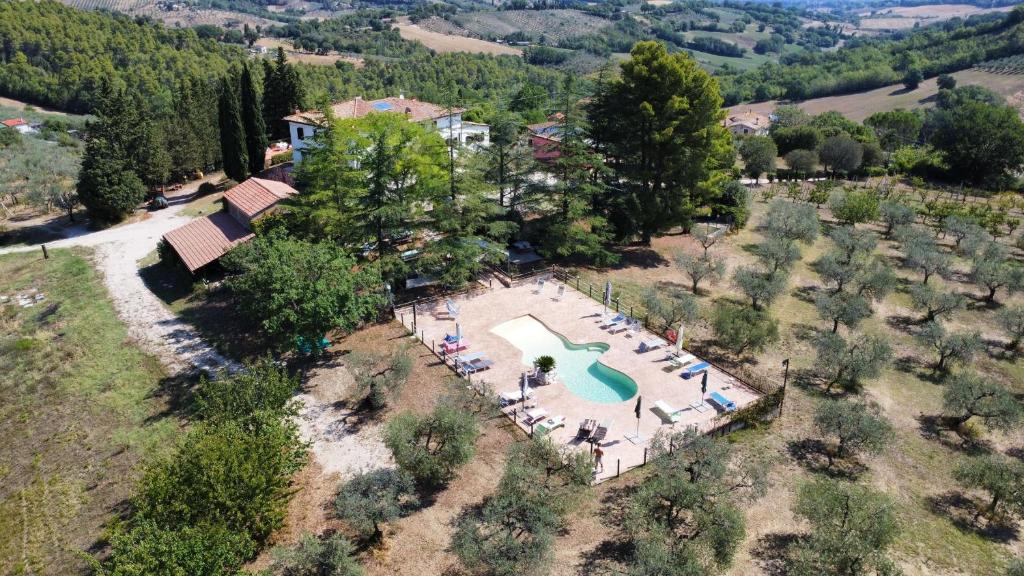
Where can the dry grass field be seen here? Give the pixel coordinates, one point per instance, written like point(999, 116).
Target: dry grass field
point(863, 104)
point(441, 42)
point(554, 24)
point(901, 17)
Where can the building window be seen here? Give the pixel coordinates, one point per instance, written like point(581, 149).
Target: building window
point(301, 133)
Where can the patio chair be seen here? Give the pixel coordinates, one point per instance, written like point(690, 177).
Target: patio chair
point(668, 414)
point(608, 321)
point(695, 370)
point(561, 292)
point(586, 429)
point(550, 424)
point(540, 286)
point(601, 432)
point(722, 401)
point(453, 347)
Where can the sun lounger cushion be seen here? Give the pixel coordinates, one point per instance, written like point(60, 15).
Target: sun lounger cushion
point(725, 403)
point(666, 412)
point(455, 346)
point(477, 366)
point(695, 369)
point(613, 320)
point(515, 396)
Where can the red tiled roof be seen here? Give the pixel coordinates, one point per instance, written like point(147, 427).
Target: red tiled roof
point(256, 195)
point(206, 239)
point(416, 110)
point(12, 122)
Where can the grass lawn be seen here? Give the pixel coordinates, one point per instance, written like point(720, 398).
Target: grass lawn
point(81, 407)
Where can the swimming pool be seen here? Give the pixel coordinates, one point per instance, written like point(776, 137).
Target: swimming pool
point(576, 365)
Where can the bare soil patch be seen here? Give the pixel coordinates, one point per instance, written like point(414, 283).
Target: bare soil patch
point(440, 42)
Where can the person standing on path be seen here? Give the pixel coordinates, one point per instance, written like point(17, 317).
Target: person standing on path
point(599, 459)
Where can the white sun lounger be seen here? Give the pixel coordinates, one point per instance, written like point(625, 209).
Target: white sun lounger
point(514, 396)
point(615, 320)
point(680, 361)
point(667, 413)
point(652, 343)
point(535, 416)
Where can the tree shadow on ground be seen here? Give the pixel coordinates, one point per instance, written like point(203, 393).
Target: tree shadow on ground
point(962, 511)
point(806, 332)
point(809, 382)
point(936, 427)
point(810, 454)
point(807, 293)
point(608, 555)
point(771, 552)
point(906, 324)
point(640, 257)
point(911, 364)
point(178, 394)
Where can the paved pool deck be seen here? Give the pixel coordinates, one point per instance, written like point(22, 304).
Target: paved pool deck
point(578, 318)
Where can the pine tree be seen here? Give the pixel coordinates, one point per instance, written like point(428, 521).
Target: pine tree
point(252, 118)
point(232, 133)
point(108, 183)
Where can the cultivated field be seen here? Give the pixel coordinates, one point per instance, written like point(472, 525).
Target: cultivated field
point(863, 104)
point(441, 42)
point(555, 25)
point(907, 17)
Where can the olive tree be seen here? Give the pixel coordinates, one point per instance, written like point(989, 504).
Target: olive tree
point(706, 235)
point(845, 309)
point(761, 286)
point(740, 329)
point(778, 253)
point(671, 306)
point(371, 499)
point(379, 377)
point(924, 254)
point(999, 476)
point(971, 395)
point(961, 228)
point(852, 428)
point(1012, 321)
point(951, 347)
point(935, 303)
point(758, 153)
point(852, 526)
point(841, 153)
point(685, 516)
point(895, 215)
point(433, 446)
point(993, 270)
point(795, 221)
point(700, 268)
point(843, 363)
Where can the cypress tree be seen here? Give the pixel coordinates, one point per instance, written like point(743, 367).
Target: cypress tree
point(283, 93)
point(232, 133)
point(252, 118)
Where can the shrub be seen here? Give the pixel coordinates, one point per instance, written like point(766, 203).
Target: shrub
point(331, 555)
point(207, 188)
point(262, 387)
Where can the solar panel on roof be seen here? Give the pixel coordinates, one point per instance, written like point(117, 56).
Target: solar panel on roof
point(382, 106)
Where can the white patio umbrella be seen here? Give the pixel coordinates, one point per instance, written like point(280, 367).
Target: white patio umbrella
point(607, 295)
point(679, 341)
point(524, 388)
point(458, 341)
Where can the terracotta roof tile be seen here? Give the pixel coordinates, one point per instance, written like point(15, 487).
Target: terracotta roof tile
point(256, 195)
point(416, 110)
point(206, 239)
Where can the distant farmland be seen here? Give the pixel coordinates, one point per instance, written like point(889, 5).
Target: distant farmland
point(863, 104)
point(441, 42)
point(555, 25)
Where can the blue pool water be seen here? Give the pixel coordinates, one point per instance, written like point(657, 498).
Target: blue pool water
point(576, 365)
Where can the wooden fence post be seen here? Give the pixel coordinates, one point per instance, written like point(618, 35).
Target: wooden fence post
point(618, 467)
